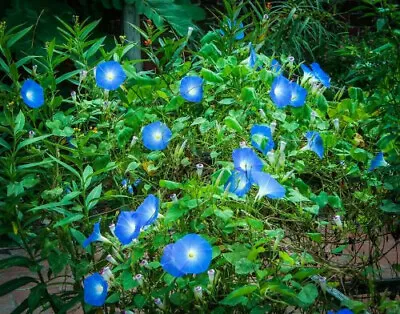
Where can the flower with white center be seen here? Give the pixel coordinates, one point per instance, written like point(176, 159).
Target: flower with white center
point(268, 186)
point(95, 236)
point(378, 161)
point(156, 136)
point(95, 289)
point(32, 94)
point(191, 88)
point(109, 75)
point(127, 227)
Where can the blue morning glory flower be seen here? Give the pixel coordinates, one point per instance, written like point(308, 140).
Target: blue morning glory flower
point(148, 210)
point(281, 91)
point(169, 261)
point(130, 189)
point(95, 290)
point(124, 183)
point(307, 71)
point(156, 136)
point(191, 88)
point(261, 138)
point(320, 75)
point(342, 311)
point(314, 143)
point(253, 56)
point(95, 236)
point(238, 183)
point(127, 227)
point(298, 95)
point(268, 186)
point(275, 65)
point(189, 255)
point(378, 161)
point(110, 75)
point(239, 34)
point(32, 94)
point(245, 159)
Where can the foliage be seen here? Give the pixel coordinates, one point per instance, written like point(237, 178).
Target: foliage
point(80, 160)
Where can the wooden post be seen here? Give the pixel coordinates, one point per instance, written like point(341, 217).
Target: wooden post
point(131, 15)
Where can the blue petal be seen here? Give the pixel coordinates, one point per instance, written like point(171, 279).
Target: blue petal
point(32, 94)
point(95, 235)
point(298, 95)
point(306, 70)
point(148, 210)
point(238, 183)
point(253, 57)
point(345, 311)
point(156, 136)
point(110, 75)
point(168, 261)
point(320, 75)
point(127, 227)
point(193, 254)
point(245, 159)
point(261, 138)
point(281, 91)
point(378, 161)
point(239, 32)
point(191, 88)
point(315, 143)
point(268, 186)
point(95, 290)
point(275, 65)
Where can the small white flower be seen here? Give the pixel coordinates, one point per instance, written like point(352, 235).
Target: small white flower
point(190, 31)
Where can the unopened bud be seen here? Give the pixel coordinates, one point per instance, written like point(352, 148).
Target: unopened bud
point(34, 69)
point(336, 124)
point(134, 140)
point(338, 221)
point(73, 95)
point(199, 169)
point(211, 275)
point(273, 127)
point(174, 198)
point(198, 292)
point(282, 146)
point(262, 113)
point(107, 273)
point(243, 144)
point(139, 279)
point(106, 94)
point(271, 157)
point(144, 263)
point(31, 134)
point(265, 17)
point(111, 259)
point(159, 303)
point(190, 31)
point(82, 75)
point(313, 115)
point(112, 229)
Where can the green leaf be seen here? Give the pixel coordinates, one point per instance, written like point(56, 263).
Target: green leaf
point(13, 284)
point(248, 94)
point(67, 76)
point(225, 215)
point(296, 197)
point(114, 298)
point(4, 144)
point(174, 213)
point(233, 124)
point(211, 76)
point(36, 295)
point(139, 300)
point(244, 267)
point(389, 207)
point(87, 176)
point(94, 48)
point(127, 280)
point(30, 141)
point(93, 197)
point(68, 220)
point(15, 37)
point(236, 296)
point(19, 123)
point(308, 294)
point(170, 185)
point(72, 170)
point(15, 261)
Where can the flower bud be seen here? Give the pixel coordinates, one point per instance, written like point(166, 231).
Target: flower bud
point(134, 140)
point(211, 275)
point(159, 303)
point(174, 198)
point(273, 127)
point(112, 229)
point(106, 94)
point(199, 169)
point(31, 134)
point(338, 221)
point(107, 273)
point(262, 113)
point(73, 95)
point(34, 69)
point(190, 31)
point(139, 279)
point(282, 146)
point(265, 17)
point(291, 59)
point(336, 124)
point(198, 292)
point(144, 263)
point(271, 157)
point(243, 144)
point(124, 183)
point(130, 189)
point(111, 259)
point(82, 75)
point(313, 115)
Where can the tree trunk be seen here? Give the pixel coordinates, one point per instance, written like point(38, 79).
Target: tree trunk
point(131, 15)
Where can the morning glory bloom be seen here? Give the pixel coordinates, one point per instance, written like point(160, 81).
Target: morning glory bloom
point(261, 138)
point(191, 88)
point(110, 75)
point(314, 143)
point(298, 95)
point(253, 56)
point(95, 236)
point(127, 227)
point(32, 94)
point(245, 159)
point(191, 254)
point(148, 210)
point(378, 161)
point(320, 75)
point(281, 91)
point(156, 136)
point(275, 65)
point(268, 186)
point(239, 34)
point(238, 183)
point(316, 74)
point(95, 290)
